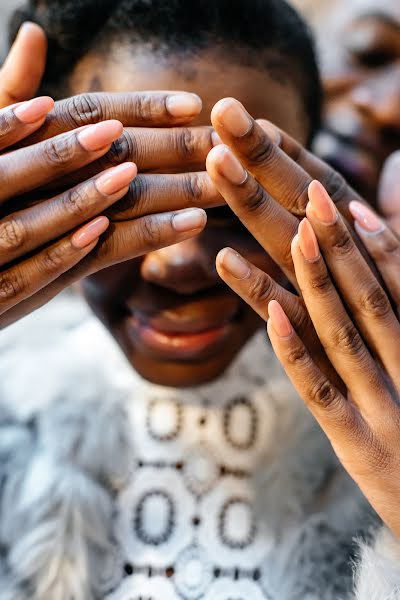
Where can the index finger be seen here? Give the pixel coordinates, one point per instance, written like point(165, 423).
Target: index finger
point(136, 109)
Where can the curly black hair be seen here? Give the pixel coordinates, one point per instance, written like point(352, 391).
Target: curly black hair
point(267, 28)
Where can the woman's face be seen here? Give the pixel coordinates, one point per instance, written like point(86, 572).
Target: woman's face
point(359, 43)
point(175, 320)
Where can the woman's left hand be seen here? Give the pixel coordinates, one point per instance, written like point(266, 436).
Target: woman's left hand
point(359, 331)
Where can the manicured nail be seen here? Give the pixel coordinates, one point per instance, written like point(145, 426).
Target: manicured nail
point(321, 204)
point(308, 241)
point(366, 218)
point(116, 179)
point(234, 117)
point(234, 263)
point(230, 167)
point(215, 139)
point(34, 110)
point(96, 137)
point(189, 219)
point(183, 105)
point(279, 320)
point(89, 233)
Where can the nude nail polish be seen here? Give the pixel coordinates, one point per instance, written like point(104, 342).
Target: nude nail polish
point(321, 204)
point(189, 219)
point(279, 321)
point(95, 137)
point(33, 110)
point(89, 233)
point(230, 167)
point(183, 105)
point(234, 264)
point(117, 178)
point(308, 241)
point(233, 117)
point(366, 218)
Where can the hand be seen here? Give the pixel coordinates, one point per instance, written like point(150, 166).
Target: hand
point(31, 225)
point(389, 192)
point(360, 334)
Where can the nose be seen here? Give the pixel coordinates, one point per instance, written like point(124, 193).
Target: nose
point(185, 268)
point(379, 99)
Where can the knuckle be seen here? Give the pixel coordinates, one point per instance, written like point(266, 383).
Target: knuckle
point(297, 356)
point(335, 185)
point(347, 339)
point(193, 189)
point(52, 259)
point(150, 232)
point(145, 106)
point(84, 109)
point(256, 201)
point(375, 303)
point(261, 290)
point(123, 149)
point(58, 152)
point(7, 123)
point(343, 243)
point(261, 153)
point(76, 201)
point(185, 143)
point(321, 282)
point(134, 201)
point(12, 235)
point(324, 394)
point(11, 286)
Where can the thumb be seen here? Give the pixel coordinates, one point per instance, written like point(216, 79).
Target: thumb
point(23, 69)
point(389, 191)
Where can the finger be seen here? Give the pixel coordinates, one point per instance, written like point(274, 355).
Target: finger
point(280, 176)
point(339, 190)
point(123, 241)
point(271, 225)
point(389, 190)
point(341, 340)
point(157, 150)
point(382, 244)
point(20, 120)
point(257, 289)
point(364, 296)
point(26, 169)
point(31, 228)
point(335, 414)
point(136, 109)
point(150, 194)
point(21, 74)
point(28, 277)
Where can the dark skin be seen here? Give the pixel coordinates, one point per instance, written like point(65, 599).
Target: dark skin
point(177, 323)
point(362, 85)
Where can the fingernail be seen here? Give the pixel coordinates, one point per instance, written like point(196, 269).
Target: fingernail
point(365, 218)
point(183, 105)
point(234, 117)
point(96, 137)
point(87, 234)
point(234, 263)
point(279, 321)
point(215, 139)
point(307, 241)
point(116, 178)
point(230, 167)
point(189, 219)
point(33, 110)
point(321, 204)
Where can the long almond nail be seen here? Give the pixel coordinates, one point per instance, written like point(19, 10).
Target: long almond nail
point(307, 241)
point(96, 137)
point(366, 218)
point(279, 321)
point(234, 263)
point(89, 233)
point(229, 166)
point(183, 105)
point(117, 178)
point(233, 117)
point(34, 110)
point(189, 219)
point(321, 204)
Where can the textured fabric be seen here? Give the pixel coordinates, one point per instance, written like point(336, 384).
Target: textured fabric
point(117, 489)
